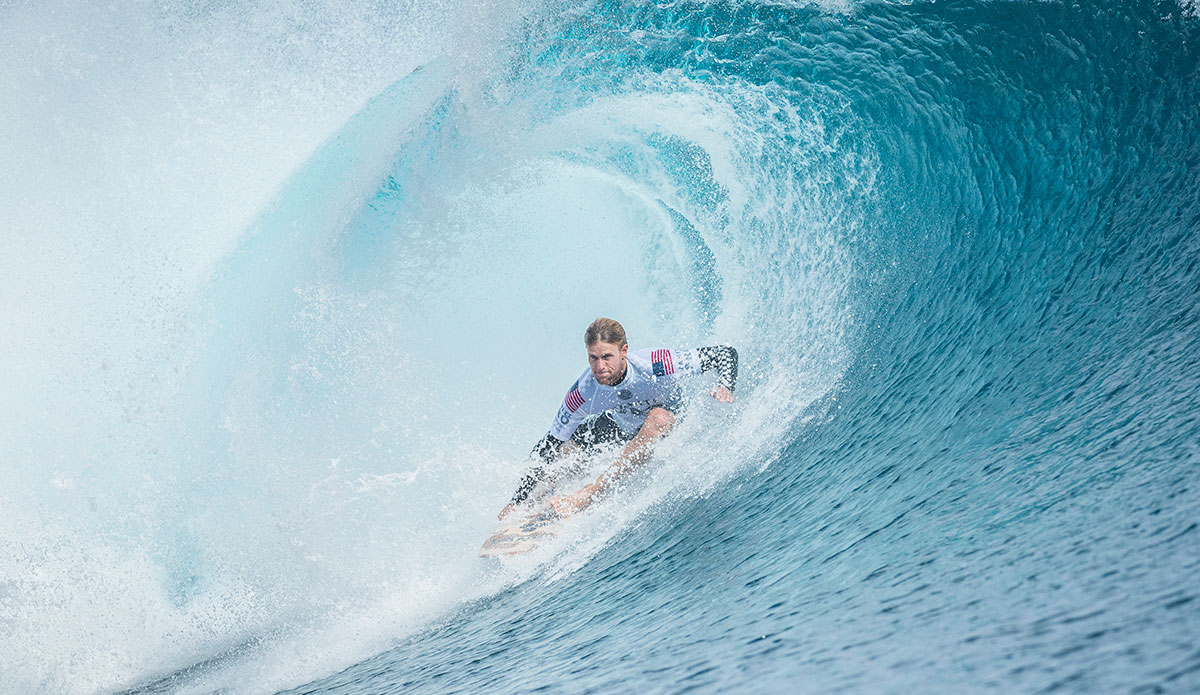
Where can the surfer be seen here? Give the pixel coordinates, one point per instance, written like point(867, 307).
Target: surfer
point(623, 397)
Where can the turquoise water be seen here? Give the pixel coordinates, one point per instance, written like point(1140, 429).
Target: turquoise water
point(257, 441)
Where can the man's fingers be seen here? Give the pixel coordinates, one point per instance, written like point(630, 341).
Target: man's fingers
point(722, 394)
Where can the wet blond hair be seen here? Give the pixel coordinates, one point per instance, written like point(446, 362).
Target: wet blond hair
point(604, 330)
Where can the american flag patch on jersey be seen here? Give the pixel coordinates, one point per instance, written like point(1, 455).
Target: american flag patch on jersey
point(573, 401)
point(660, 361)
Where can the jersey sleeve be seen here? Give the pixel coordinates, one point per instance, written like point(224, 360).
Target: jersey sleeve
point(570, 414)
point(674, 363)
point(722, 358)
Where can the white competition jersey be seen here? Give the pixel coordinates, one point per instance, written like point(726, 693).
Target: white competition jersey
point(651, 381)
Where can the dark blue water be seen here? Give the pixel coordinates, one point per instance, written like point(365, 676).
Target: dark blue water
point(957, 245)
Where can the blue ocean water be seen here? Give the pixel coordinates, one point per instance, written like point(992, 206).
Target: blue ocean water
point(314, 280)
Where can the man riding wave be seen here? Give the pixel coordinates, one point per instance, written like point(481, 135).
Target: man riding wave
point(623, 397)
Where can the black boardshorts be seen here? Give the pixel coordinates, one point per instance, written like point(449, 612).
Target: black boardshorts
point(599, 430)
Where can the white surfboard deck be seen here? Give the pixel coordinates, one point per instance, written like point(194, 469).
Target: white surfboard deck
point(521, 533)
point(527, 528)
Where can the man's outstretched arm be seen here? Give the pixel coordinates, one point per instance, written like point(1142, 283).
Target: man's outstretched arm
point(724, 359)
point(658, 424)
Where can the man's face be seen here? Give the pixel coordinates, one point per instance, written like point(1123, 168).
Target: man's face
point(607, 362)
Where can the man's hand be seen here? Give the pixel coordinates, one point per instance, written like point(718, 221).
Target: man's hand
point(722, 394)
point(569, 505)
point(504, 512)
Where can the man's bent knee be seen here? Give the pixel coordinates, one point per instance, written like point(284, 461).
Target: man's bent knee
point(659, 421)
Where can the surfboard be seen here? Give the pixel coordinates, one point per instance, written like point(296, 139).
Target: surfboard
point(521, 535)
